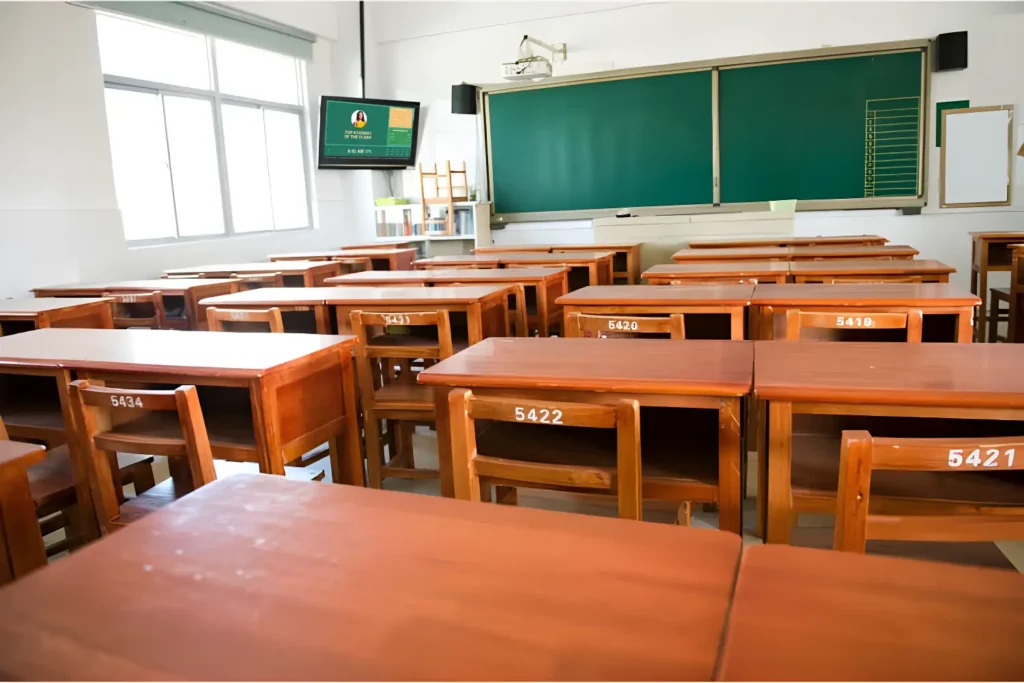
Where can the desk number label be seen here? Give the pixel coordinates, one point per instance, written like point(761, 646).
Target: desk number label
point(975, 458)
point(543, 416)
point(126, 401)
point(854, 322)
point(128, 298)
point(624, 325)
point(396, 319)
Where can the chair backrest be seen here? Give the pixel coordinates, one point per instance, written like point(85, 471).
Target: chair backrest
point(258, 280)
point(470, 466)
point(142, 309)
point(3, 431)
point(844, 319)
point(861, 453)
point(93, 408)
point(579, 324)
point(244, 320)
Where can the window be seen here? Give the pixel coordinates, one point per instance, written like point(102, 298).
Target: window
point(207, 136)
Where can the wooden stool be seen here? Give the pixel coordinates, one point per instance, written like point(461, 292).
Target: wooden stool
point(844, 319)
point(258, 280)
point(397, 399)
point(244, 320)
point(472, 468)
point(142, 310)
point(579, 324)
point(857, 519)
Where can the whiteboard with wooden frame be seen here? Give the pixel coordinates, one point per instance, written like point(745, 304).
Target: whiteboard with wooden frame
point(976, 158)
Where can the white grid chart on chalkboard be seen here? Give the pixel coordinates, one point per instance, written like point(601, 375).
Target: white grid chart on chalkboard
point(892, 128)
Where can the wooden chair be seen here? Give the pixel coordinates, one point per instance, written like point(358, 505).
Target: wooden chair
point(579, 324)
point(244, 320)
point(473, 469)
point(857, 520)
point(519, 314)
point(1010, 296)
point(21, 543)
point(258, 280)
point(182, 439)
point(844, 319)
point(142, 310)
point(395, 397)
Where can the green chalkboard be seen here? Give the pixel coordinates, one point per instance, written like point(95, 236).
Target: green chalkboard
point(842, 128)
point(625, 143)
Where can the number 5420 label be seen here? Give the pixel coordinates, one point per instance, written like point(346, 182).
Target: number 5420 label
point(991, 457)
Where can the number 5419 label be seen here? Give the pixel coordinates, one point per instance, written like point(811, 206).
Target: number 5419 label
point(991, 457)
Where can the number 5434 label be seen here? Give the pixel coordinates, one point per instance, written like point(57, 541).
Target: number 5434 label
point(980, 457)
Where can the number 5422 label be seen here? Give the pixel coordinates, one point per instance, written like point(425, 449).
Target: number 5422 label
point(543, 416)
point(981, 457)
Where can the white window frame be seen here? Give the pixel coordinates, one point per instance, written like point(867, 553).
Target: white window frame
point(217, 98)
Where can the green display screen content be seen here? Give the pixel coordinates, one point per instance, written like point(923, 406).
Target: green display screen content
point(360, 133)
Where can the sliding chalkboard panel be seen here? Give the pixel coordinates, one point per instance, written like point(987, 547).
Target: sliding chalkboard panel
point(841, 128)
point(632, 142)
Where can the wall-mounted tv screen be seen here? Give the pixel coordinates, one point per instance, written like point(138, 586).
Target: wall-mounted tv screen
point(361, 133)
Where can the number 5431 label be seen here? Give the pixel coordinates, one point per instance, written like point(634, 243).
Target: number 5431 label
point(991, 457)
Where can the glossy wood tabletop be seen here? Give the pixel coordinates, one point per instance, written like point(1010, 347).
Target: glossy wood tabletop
point(892, 294)
point(961, 375)
point(602, 246)
point(804, 614)
point(379, 277)
point(343, 253)
point(645, 295)
point(574, 257)
point(165, 285)
point(732, 254)
point(264, 578)
point(272, 296)
point(222, 354)
point(656, 366)
point(286, 267)
point(794, 253)
point(479, 260)
point(786, 241)
point(696, 271)
point(29, 309)
point(870, 267)
point(382, 244)
point(349, 296)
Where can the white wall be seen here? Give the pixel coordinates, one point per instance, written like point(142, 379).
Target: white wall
point(59, 220)
point(425, 48)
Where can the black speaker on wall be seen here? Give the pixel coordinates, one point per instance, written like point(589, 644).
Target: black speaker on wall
point(951, 51)
point(464, 99)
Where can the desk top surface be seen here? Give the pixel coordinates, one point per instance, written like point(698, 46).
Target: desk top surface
point(805, 614)
point(869, 267)
point(348, 296)
point(257, 577)
point(369, 277)
point(382, 244)
point(218, 354)
point(646, 295)
point(458, 259)
point(167, 285)
point(30, 308)
point(714, 268)
point(793, 252)
point(560, 257)
point(271, 296)
point(1009, 236)
point(652, 366)
point(958, 375)
point(286, 267)
point(784, 241)
point(354, 252)
point(893, 294)
point(601, 246)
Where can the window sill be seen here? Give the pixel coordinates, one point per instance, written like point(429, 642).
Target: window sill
point(171, 241)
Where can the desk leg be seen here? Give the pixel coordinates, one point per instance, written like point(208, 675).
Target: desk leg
point(351, 447)
point(86, 520)
point(736, 317)
point(264, 421)
point(444, 441)
point(474, 319)
point(542, 311)
point(595, 273)
point(632, 267)
point(780, 460)
point(323, 319)
point(730, 494)
point(983, 312)
point(965, 325)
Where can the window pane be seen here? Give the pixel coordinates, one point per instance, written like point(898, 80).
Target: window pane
point(136, 49)
point(257, 74)
point(287, 176)
point(194, 169)
point(138, 149)
point(248, 178)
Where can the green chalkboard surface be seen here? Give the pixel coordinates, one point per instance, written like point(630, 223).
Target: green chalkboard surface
point(842, 128)
point(606, 145)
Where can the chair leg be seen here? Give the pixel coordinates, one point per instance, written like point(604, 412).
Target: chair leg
point(993, 317)
point(374, 452)
point(684, 513)
point(403, 439)
point(142, 477)
point(506, 495)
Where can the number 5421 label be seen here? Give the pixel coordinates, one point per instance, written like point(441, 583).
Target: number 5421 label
point(981, 457)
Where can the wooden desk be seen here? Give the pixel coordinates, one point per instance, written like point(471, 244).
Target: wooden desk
point(383, 244)
point(543, 287)
point(727, 300)
point(296, 273)
point(254, 388)
point(947, 381)
point(990, 252)
point(381, 258)
point(796, 253)
point(303, 309)
point(718, 272)
point(580, 598)
point(458, 261)
point(181, 296)
point(870, 271)
point(484, 307)
point(598, 265)
point(865, 240)
point(626, 260)
point(772, 301)
point(21, 315)
point(821, 615)
point(708, 374)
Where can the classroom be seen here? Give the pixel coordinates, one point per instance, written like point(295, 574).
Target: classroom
point(468, 340)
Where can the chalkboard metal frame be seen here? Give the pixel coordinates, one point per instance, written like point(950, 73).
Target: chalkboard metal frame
point(918, 200)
